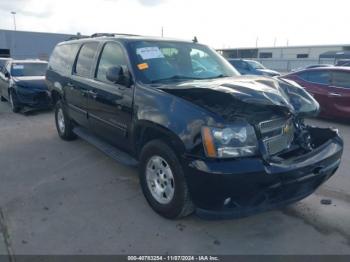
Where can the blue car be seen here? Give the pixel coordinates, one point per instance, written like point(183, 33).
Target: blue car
point(251, 67)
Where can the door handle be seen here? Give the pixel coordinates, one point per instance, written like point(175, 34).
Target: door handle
point(93, 94)
point(334, 94)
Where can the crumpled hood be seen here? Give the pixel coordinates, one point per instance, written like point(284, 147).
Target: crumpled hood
point(246, 91)
point(33, 82)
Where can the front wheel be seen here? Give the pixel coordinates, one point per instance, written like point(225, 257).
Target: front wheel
point(64, 124)
point(163, 182)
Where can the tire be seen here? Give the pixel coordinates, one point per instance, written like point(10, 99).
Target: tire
point(156, 159)
point(13, 102)
point(64, 124)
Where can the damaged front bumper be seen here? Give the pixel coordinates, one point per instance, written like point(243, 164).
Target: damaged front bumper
point(38, 99)
point(241, 187)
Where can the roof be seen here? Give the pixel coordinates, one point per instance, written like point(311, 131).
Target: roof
point(126, 38)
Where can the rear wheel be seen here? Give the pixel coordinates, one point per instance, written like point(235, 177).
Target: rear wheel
point(64, 124)
point(163, 182)
point(13, 102)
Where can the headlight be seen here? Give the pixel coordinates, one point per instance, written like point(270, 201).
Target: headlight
point(236, 140)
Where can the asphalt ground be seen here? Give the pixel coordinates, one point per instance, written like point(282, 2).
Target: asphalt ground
point(60, 197)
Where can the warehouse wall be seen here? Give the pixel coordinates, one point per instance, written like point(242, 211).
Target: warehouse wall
point(24, 44)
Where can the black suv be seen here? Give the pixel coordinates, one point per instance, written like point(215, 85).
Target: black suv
point(204, 137)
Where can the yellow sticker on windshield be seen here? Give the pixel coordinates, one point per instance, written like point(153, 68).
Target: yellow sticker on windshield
point(143, 66)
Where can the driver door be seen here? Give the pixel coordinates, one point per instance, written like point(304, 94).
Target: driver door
point(110, 104)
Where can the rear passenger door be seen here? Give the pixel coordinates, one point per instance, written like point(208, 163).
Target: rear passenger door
point(110, 104)
point(79, 86)
point(339, 92)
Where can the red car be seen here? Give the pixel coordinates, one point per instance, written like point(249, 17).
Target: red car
point(330, 86)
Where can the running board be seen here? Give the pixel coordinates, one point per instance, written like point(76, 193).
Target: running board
point(106, 148)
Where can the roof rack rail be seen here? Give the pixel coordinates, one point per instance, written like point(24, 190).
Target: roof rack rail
point(76, 37)
point(111, 34)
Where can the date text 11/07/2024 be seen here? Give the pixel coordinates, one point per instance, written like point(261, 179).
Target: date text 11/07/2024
point(173, 258)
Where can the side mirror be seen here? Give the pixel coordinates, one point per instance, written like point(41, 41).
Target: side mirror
point(116, 75)
point(7, 74)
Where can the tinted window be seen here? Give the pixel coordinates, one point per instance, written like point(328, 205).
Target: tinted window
point(265, 55)
point(63, 57)
point(112, 55)
point(255, 64)
point(341, 79)
point(302, 55)
point(28, 69)
point(85, 59)
point(319, 77)
point(240, 64)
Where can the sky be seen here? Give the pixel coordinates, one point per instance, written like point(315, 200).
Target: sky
point(218, 23)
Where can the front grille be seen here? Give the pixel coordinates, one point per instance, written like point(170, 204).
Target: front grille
point(277, 134)
point(41, 98)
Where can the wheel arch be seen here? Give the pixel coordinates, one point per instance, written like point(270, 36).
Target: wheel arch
point(55, 96)
point(147, 131)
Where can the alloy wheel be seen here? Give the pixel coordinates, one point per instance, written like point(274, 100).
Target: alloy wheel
point(160, 180)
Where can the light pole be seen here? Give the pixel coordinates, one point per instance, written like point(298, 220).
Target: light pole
point(14, 19)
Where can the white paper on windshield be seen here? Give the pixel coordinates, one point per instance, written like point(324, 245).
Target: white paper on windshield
point(149, 52)
point(18, 66)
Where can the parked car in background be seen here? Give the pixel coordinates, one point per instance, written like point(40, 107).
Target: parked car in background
point(330, 86)
point(251, 67)
point(3, 61)
point(311, 66)
point(22, 83)
point(318, 66)
point(204, 137)
point(343, 62)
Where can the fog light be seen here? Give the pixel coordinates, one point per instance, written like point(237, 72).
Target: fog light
point(227, 201)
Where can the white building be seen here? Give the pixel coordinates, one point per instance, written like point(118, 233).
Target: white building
point(290, 57)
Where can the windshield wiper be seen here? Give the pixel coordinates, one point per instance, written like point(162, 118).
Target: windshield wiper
point(175, 77)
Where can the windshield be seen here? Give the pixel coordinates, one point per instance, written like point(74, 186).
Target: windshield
point(28, 69)
point(255, 65)
point(158, 61)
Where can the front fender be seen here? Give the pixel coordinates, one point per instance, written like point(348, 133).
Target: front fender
point(172, 115)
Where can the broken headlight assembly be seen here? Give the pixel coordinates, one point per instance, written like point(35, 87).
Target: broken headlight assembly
point(236, 140)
